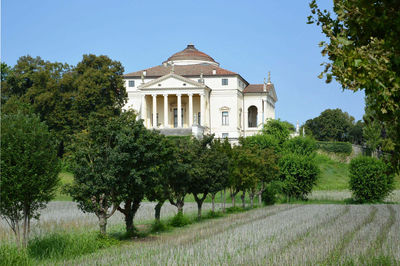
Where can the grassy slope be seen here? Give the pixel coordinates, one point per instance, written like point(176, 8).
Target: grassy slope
point(334, 175)
point(66, 178)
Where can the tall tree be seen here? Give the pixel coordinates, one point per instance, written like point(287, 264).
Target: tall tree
point(331, 125)
point(364, 49)
point(29, 171)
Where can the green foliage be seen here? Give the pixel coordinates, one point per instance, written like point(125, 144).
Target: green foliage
point(158, 226)
point(331, 125)
point(269, 195)
point(364, 50)
point(12, 255)
point(64, 245)
point(334, 175)
point(301, 145)
point(277, 129)
point(263, 141)
point(335, 147)
point(29, 169)
point(299, 174)
point(369, 179)
point(179, 220)
point(65, 96)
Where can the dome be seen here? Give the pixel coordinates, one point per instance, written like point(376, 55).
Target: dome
point(190, 55)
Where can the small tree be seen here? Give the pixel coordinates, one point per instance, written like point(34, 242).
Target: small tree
point(299, 174)
point(29, 171)
point(93, 164)
point(301, 145)
point(278, 129)
point(180, 178)
point(370, 179)
point(209, 172)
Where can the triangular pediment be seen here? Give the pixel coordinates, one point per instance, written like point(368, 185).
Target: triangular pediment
point(171, 81)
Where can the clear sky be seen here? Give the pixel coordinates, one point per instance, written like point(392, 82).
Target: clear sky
point(248, 37)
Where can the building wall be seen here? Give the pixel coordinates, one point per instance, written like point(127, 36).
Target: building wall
point(222, 98)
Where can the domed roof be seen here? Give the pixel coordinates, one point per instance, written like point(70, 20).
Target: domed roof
point(191, 53)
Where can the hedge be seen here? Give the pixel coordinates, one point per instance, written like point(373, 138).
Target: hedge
point(335, 147)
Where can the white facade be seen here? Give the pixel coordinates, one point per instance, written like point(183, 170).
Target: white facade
point(190, 92)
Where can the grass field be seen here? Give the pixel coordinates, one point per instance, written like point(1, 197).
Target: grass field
point(285, 234)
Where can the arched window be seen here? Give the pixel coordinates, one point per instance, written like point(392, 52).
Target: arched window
point(252, 116)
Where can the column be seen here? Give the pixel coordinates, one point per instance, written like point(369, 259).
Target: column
point(143, 111)
point(179, 110)
point(166, 111)
point(202, 110)
point(190, 110)
point(154, 110)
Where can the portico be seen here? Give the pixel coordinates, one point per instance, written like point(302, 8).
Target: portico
point(173, 110)
point(173, 101)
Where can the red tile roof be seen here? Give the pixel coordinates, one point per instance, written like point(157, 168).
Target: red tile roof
point(182, 70)
point(190, 53)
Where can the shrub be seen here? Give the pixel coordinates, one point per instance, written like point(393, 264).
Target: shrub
point(301, 145)
point(299, 174)
point(11, 255)
point(369, 180)
point(179, 220)
point(269, 195)
point(335, 147)
point(158, 226)
point(67, 245)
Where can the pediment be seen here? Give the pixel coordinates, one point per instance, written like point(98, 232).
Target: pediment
point(171, 81)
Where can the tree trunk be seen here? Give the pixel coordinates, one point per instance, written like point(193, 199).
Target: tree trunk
point(213, 202)
point(223, 204)
point(199, 203)
point(179, 205)
point(157, 210)
point(243, 197)
point(260, 199)
point(103, 224)
point(251, 200)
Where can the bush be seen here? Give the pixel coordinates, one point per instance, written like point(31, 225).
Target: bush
point(269, 195)
point(158, 226)
point(11, 255)
point(179, 220)
point(67, 245)
point(301, 145)
point(299, 174)
point(369, 180)
point(335, 147)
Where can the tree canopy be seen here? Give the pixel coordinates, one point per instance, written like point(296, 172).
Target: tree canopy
point(363, 47)
point(29, 170)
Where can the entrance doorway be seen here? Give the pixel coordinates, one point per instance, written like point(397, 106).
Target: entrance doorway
point(176, 117)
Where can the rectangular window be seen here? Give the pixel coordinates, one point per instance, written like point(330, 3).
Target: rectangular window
point(224, 81)
point(225, 118)
point(225, 135)
point(131, 83)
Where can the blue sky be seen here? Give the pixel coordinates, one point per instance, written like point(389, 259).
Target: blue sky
point(247, 37)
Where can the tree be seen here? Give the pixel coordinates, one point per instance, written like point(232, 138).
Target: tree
point(93, 158)
point(266, 166)
point(277, 129)
point(299, 174)
point(65, 96)
point(330, 125)
point(142, 156)
point(179, 181)
point(29, 167)
point(364, 50)
point(209, 170)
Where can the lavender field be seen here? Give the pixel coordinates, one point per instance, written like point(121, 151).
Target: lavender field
point(289, 234)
